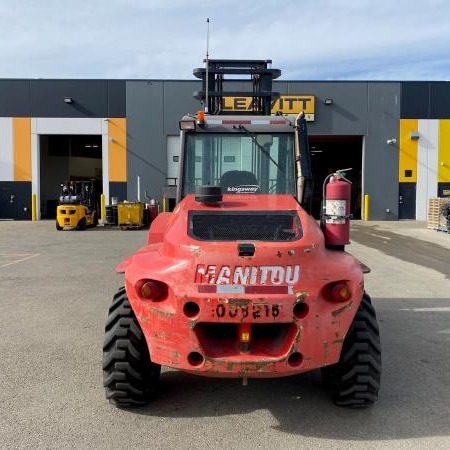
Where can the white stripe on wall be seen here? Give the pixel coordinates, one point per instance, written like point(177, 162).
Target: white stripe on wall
point(57, 125)
point(6, 149)
point(433, 150)
point(427, 164)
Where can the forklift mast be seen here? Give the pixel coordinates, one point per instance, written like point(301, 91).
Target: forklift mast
point(220, 79)
point(78, 192)
point(214, 76)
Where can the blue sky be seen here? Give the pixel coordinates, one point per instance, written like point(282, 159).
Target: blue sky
point(306, 39)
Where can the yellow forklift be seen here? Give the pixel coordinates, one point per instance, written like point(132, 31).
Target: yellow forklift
point(78, 206)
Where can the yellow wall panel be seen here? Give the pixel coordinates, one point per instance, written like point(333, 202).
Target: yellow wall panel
point(22, 148)
point(444, 151)
point(408, 151)
point(117, 139)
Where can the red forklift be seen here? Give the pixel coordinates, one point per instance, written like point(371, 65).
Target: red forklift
point(240, 281)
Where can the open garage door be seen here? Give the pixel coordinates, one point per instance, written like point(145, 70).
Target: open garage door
point(331, 153)
point(64, 158)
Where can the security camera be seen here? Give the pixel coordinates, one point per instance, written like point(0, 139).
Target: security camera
point(392, 141)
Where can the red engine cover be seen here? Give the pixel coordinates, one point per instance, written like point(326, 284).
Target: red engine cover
point(337, 211)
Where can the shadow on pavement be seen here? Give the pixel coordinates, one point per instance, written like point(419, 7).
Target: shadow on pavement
point(414, 398)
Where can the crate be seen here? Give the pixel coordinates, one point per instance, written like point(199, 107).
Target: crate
point(436, 220)
point(130, 215)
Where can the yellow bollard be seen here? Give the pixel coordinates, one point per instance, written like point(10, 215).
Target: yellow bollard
point(164, 204)
point(33, 208)
point(102, 208)
point(366, 206)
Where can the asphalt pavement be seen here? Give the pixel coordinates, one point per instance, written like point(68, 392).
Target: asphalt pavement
point(55, 291)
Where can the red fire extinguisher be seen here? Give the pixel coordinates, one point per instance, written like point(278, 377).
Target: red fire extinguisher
point(336, 209)
point(153, 210)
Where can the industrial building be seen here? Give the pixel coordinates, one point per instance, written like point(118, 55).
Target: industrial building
point(124, 133)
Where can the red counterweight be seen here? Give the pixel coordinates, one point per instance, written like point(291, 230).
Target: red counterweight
point(336, 222)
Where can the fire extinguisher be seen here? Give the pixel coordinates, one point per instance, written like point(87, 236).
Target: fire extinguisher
point(336, 209)
point(153, 210)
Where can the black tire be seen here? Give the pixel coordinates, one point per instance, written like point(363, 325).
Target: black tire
point(82, 223)
point(355, 379)
point(129, 376)
point(59, 228)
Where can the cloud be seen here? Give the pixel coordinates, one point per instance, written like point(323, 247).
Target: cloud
point(322, 39)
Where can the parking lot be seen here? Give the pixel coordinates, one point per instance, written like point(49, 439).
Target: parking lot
point(55, 291)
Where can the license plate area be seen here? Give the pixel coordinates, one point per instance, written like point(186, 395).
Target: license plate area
point(244, 310)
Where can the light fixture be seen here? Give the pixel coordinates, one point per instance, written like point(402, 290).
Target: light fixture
point(69, 100)
point(187, 125)
point(414, 135)
point(328, 101)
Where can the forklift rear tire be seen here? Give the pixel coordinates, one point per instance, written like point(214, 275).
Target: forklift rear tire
point(355, 379)
point(130, 377)
point(82, 223)
point(58, 227)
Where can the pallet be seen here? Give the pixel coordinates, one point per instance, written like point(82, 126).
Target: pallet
point(435, 219)
point(131, 226)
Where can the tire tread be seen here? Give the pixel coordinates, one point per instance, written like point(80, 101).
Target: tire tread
point(355, 379)
point(130, 377)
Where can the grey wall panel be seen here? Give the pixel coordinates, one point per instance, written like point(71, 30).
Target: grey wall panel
point(178, 101)
point(90, 98)
point(15, 98)
point(117, 100)
point(348, 113)
point(439, 100)
point(281, 86)
point(415, 98)
point(381, 159)
point(146, 141)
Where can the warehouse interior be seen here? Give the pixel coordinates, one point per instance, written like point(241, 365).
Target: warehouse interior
point(67, 158)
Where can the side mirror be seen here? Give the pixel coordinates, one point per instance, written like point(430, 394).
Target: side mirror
point(264, 139)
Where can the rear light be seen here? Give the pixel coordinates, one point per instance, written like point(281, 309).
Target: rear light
point(152, 290)
point(339, 292)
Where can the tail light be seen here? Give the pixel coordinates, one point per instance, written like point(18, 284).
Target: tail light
point(151, 290)
point(338, 292)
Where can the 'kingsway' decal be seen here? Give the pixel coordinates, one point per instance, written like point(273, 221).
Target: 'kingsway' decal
point(247, 275)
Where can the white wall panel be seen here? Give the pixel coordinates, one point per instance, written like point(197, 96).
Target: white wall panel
point(68, 126)
point(433, 150)
point(35, 170)
point(422, 171)
point(105, 165)
point(427, 165)
point(6, 149)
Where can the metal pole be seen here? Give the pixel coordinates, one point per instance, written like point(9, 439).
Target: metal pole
point(207, 65)
point(102, 208)
point(138, 188)
point(33, 207)
point(366, 207)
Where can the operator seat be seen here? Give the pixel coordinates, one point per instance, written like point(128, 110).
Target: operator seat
point(239, 182)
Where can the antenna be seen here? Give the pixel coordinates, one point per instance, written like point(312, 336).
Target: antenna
point(207, 65)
